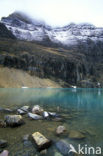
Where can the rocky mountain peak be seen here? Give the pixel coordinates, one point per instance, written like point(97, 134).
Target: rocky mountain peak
point(26, 28)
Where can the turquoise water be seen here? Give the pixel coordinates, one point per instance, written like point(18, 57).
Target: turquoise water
point(82, 109)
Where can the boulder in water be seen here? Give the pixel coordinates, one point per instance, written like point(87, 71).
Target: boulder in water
point(45, 115)
point(65, 148)
point(25, 108)
point(41, 141)
point(37, 110)
point(60, 130)
point(21, 112)
point(53, 114)
point(14, 120)
point(35, 116)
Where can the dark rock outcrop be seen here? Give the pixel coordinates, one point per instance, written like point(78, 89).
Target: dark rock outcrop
point(5, 33)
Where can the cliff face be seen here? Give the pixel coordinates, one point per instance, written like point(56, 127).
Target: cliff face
point(57, 64)
point(5, 33)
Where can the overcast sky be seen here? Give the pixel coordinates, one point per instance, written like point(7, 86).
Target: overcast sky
point(57, 12)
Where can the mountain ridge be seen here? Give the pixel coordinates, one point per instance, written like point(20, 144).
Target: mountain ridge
point(24, 28)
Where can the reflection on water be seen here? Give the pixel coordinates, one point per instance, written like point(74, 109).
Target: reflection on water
point(88, 99)
point(81, 108)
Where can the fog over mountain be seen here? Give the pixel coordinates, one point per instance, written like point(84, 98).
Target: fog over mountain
point(57, 12)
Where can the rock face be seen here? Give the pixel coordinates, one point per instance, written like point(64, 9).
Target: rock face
point(5, 33)
point(41, 141)
point(73, 134)
point(13, 120)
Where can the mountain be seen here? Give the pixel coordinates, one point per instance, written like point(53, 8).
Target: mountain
point(70, 55)
point(25, 28)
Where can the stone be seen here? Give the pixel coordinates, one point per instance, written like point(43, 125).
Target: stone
point(25, 108)
point(43, 152)
point(45, 115)
point(26, 137)
point(4, 153)
point(41, 141)
point(65, 148)
point(6, 110)
point(53, 114)
point(35, 116)
point(73, 134)
point(27, 143)
point(3, 143)
point(14, 120)
point(2, 124)
point(60, 130)
point(37, 110)
point(21, 112)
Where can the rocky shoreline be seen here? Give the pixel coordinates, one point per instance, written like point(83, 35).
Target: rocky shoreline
point(15, 118)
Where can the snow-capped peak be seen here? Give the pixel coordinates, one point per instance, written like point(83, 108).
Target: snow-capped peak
point(26, 28)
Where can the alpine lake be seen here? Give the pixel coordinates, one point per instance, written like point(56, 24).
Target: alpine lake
point(81, 110)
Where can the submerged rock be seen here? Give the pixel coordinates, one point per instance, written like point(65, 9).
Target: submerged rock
point(3, 143)
point(4, 153)
point(35, 116)
point(26, 137)
point(73, 134)
point(60, 130)
point(58, 119)
point(41, 141)
point(13, 120)
point(65, 148)
point(37, 110)
point(2, 124)
point(43, 152)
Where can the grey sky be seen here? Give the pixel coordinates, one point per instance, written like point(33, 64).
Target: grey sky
point(57, 12)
